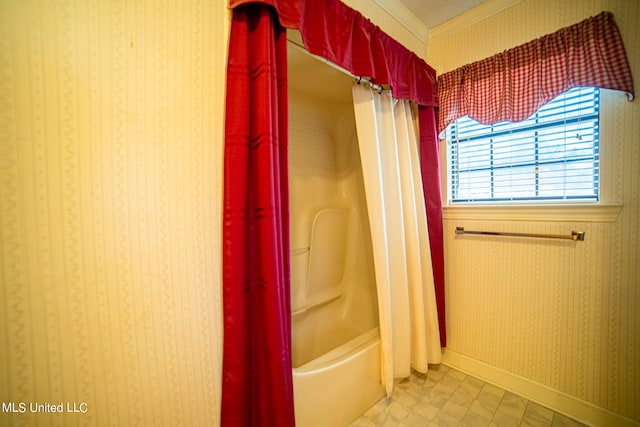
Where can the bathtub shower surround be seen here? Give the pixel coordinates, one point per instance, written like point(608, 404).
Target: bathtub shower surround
point(335, 339)
point(349, 238)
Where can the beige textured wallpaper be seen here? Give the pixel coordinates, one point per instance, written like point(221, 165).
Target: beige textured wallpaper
point(564, 315)
point(111, 124)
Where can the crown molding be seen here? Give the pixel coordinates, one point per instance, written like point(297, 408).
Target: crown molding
point(469, 18)
point(405, 17)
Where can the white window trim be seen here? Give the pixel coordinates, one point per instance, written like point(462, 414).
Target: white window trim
point(606, 211)
point(602, 212)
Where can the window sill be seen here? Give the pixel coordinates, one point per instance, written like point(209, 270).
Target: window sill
point(608, 212)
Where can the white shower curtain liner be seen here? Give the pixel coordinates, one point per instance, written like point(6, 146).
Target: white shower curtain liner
point(387, 138)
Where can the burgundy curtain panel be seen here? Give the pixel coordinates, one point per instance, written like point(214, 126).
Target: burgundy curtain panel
point(430, 170)
point(340, 34)
point(257, 387)
point(257, 373)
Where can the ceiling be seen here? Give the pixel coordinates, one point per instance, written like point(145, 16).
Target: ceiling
point(435, 12)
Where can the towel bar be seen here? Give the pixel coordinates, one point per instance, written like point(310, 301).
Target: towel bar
point(575, 235)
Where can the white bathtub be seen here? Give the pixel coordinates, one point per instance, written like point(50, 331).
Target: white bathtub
point(335, 340)
point(339, 386)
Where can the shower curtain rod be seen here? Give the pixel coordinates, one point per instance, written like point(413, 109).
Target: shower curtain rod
point(575, 235)
point(378, 88)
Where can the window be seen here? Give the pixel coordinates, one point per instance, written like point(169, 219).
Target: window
point(551, 156)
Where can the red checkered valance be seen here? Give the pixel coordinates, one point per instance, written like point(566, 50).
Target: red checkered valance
point(514, 84)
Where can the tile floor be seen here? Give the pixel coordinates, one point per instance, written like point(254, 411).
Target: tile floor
point(447, 397)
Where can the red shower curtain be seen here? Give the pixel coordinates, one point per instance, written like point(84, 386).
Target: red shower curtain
point(430, 169)
point(257, 385)
point(257, 377)
point(336, 32)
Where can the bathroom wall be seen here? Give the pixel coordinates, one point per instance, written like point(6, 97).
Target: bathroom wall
point(111, 124)
point(555, 321)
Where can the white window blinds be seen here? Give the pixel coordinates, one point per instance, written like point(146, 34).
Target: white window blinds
point(551, 156)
